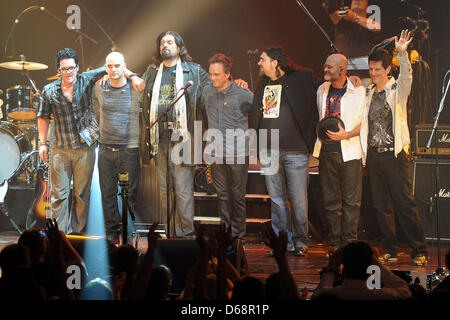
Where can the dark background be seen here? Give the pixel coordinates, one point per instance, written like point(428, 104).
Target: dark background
point(207, 26)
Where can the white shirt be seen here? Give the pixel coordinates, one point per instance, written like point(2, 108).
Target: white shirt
point(352, 107)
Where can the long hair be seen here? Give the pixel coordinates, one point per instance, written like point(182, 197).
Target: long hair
point(284, 62)
point(184, 54)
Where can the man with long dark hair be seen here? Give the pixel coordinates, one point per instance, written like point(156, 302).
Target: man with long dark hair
point(172, 68)
point(284, 103)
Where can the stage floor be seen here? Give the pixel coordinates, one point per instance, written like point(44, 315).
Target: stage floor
point(305, 269)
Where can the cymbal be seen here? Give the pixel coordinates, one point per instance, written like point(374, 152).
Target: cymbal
point(23, 65)
point(55, 77)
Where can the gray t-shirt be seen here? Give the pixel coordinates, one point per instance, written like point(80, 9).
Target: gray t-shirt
point(117, 110)
point(380, 122)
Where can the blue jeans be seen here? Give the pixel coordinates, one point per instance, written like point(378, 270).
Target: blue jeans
point(288, 187)
point(110, 164)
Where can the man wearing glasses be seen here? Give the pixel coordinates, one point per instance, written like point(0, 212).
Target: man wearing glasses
point(76, 132)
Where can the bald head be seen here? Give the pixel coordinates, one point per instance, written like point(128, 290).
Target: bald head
point(335, 67)
point(115, 67)
point(338, 60)
point(115, 57)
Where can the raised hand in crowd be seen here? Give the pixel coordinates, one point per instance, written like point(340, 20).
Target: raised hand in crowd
point(56, 259)
point(143, 278)
point(278, 244)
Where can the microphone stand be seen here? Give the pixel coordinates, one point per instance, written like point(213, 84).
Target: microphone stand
point(434, 131)
point(113, 44)
point(301, 5)
point(125, 210)
point(80, 34)
point(11, 32)
point(164, 115)
point(4, 207)
point(250, 53)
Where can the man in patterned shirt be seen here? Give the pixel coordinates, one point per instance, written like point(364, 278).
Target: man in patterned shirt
point(385, 144)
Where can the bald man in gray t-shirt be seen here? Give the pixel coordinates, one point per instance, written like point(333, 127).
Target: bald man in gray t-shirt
point(117, 107)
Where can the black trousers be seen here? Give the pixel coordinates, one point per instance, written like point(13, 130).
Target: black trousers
point(110, 164)
point(391, 192)
point(341, 195)
point(230, 181)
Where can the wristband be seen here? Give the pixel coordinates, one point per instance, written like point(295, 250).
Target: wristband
point(133, 75)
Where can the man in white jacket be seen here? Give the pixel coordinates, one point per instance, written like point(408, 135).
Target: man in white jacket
point(385, 144)
point(340, 155)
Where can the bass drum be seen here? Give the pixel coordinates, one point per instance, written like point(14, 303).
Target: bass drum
point(14, 145)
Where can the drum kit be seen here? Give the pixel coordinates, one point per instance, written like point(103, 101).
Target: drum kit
point(18, 128)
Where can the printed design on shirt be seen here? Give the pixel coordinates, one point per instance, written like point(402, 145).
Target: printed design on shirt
point(334, 105)
point(380, 122)
point(166, 95)
point(272, 101)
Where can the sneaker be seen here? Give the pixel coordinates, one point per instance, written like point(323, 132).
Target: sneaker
point(420, 260)
point(387, 257)
point(300, 252)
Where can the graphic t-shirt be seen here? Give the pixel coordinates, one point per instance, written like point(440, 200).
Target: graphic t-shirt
point(333, 108)
point(277, 114)
point(166, 96)
point(380, 122)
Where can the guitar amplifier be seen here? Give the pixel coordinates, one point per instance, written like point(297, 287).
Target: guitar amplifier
point(422, 134)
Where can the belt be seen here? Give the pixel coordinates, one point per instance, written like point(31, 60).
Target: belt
point(382, 149)
point(111, 148)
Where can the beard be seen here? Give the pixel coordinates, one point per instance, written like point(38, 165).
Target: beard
point(261, 72)
point(166, 54)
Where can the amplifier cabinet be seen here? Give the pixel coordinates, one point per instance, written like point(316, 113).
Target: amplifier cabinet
point(424, 185)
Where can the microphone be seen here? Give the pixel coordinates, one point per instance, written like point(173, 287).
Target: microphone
point(187, 85)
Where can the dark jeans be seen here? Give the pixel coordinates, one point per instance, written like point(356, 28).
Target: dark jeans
point(341, 187)
point(391, 191)
point(230, 181)
point(110, 164)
